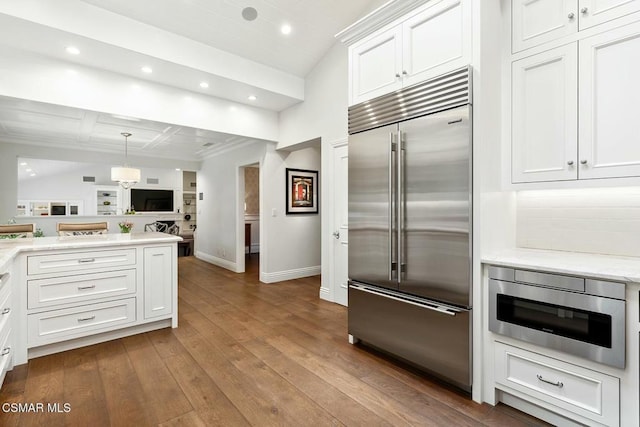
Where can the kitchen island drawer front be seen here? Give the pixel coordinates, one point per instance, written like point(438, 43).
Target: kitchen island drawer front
point(80, 261)
point(5, 309)
point(59, 325)
point(581, 391)
point(85, 287)
point(6, 353)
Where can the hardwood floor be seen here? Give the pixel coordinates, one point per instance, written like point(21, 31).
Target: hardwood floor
point(244, 353)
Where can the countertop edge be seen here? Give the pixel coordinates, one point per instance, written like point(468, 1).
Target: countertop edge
point(600, 266)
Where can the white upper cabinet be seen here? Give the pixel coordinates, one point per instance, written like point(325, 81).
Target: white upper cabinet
point(609, 93)
point(375, 66)
point(433, 41)
point(544, 116)
point(594, 12)
point(539, 21)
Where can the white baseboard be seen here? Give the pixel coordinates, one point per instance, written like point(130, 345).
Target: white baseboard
point(220, 262)
point(325, 294)
point(297, 273)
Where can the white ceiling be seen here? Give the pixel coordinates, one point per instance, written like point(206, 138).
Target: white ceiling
point(255, 49)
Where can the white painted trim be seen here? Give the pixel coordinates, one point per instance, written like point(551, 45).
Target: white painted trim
point(220, 262)
point(325, 294)
point(255, 248)
point(340, 142)
point(296, 273)
point(252, 217)
point(382, 16)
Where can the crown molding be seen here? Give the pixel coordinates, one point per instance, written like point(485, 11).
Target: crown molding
point(377, 19)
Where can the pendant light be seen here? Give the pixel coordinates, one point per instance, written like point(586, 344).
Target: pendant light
point(125, 175)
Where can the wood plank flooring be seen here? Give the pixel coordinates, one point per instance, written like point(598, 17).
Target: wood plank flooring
point(244, 353)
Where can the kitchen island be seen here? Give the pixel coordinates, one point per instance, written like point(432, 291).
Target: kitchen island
point(60, 293)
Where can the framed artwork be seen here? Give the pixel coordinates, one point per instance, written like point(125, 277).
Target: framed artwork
point(302, 191)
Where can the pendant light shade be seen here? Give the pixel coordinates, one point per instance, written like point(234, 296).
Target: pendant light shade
point(125, 175)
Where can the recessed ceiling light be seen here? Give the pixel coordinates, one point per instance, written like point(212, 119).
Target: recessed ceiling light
point(285, 29)
point(33, 174)
point(28, 169)
point(23, 163)
point(252, 97)
point(146, 69)
point(204, 85)
point(178, 169)
point(72, 50)
point(249, 13)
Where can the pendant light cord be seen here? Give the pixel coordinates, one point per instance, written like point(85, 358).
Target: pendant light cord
point(126, 147)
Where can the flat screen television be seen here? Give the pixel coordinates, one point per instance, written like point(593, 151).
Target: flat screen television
point(143, 200)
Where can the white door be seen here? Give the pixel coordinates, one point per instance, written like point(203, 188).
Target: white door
point(538, 21)
point(544, 116)
point(375, 66)
point(594, 12)
point(436, 41)
point(609, 93)
point(340, 224)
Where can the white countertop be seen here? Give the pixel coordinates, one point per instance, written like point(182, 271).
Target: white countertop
point(10, 247)
point(619, 268)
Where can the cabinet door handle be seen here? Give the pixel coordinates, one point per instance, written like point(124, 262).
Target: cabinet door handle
point(80, 288)
point(86, 260)
point(6, 310)
point(397, 75)
point(556, 383)
point(5, 351)
point(570, 162)
point(571, 15)
point(404, 72)
point(584, 10)
point(583, 161)
point(85, 319)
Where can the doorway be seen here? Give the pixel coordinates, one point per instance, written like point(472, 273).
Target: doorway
point(248, 219)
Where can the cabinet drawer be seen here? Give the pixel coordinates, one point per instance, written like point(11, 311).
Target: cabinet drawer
point(588, 393)
point(5, 309)
point(6, 353)
point(84, 287)
point(59, 325)
point(80, 261)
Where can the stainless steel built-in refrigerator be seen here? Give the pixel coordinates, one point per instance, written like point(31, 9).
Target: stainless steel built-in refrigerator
point(410, 200)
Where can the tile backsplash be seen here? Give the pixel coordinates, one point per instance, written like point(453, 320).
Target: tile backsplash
point(602, 220)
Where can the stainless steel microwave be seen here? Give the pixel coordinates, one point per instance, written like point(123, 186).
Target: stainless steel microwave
point(576, 315)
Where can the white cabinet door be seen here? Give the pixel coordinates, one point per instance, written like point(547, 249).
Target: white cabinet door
point(544, 116)
point(158, 281)
point(436, 40)
point(609, 93)
point(375, 66)
point(594, 12)
point(539, 21)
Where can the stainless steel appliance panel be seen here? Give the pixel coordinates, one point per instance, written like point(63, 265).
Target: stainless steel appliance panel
point(435, 206)
point(372, 224)
point(563, 304)
point(434, 337)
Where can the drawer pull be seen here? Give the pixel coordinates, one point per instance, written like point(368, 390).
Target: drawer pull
point(5, 351)
point(6, 310)
point(86, 319)
point(80, 288)
point(557, 383)
point(86, 260)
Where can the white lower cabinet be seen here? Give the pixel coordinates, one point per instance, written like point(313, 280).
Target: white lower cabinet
point(58, 325)
point(591, 397)
point(6, 317)
point(158, 279)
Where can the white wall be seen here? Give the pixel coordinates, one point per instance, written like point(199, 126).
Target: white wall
point(324, 111)
point(322, 115)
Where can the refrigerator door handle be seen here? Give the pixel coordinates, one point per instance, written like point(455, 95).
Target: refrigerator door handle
point(391, 200)
point(449, 311)
point(401, 203)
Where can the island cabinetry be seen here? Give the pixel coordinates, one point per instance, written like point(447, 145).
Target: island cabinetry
point(77, 297)
point(158, 276)
point(6, 345)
